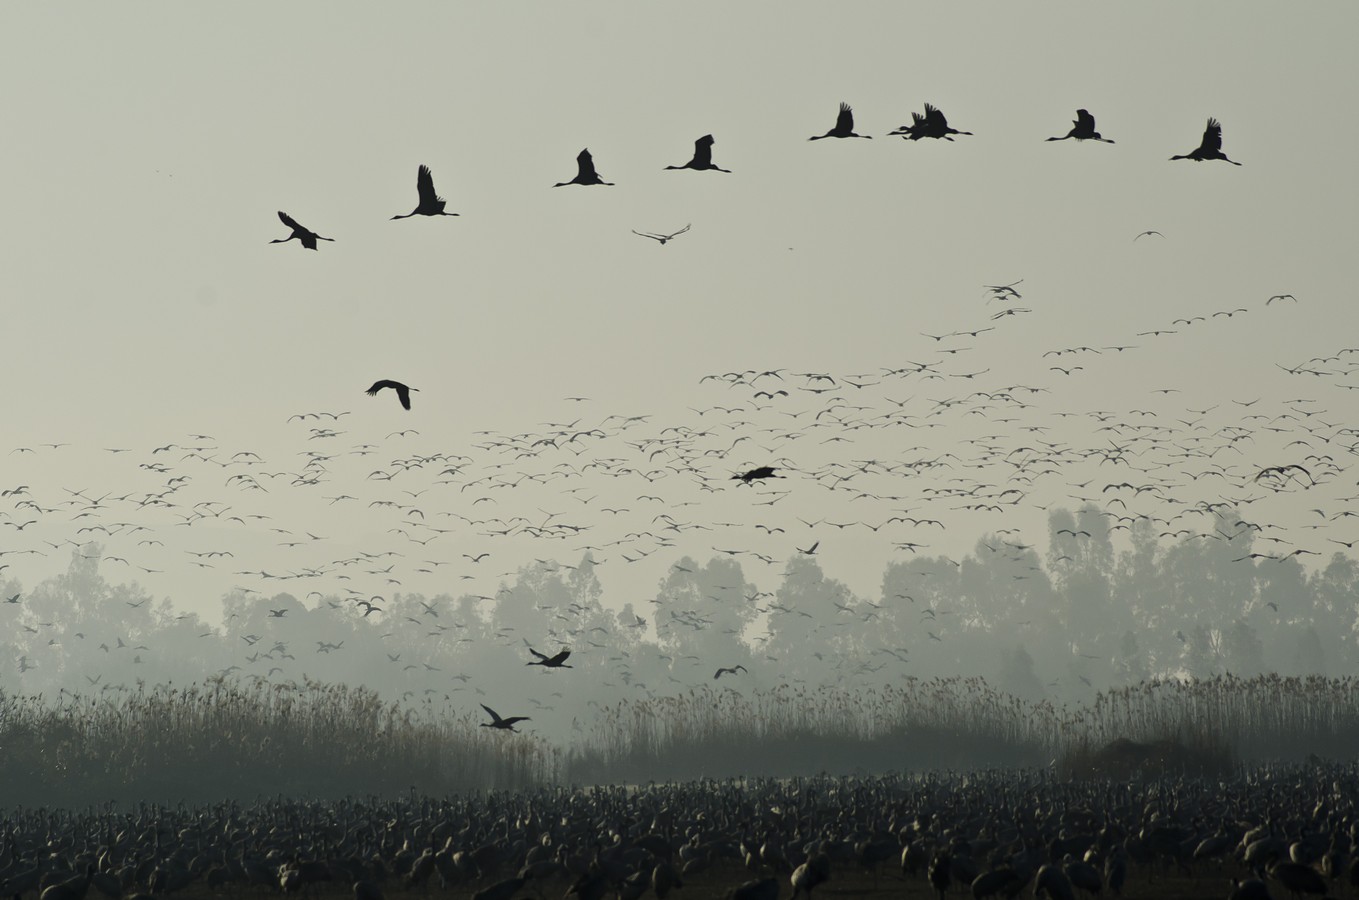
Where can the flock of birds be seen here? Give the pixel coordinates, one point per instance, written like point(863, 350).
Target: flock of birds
point(932, 123)
point(1278, 832)
point(933, 445)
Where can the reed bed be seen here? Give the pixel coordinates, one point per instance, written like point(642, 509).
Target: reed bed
point(220, 739)
point(963, 723)
point(231, 740)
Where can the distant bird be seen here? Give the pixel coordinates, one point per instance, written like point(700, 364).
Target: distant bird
point(1210, 147)
point(550, 662)
point(278, 613)
point(810, 550)
point(756, 474)
point(585, 172)
point(1084, 130)
point(1281, 297)
point(703, 157)
point(728, 671)
point(844, 126)
point(662, 238)
point(431, 204)
point(1148, 234)
point(403, 393)
point(305, 235)
point(503, 724)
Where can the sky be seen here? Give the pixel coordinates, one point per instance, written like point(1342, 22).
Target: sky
point(149, 148)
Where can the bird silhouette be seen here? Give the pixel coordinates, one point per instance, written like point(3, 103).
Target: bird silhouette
point(305, 235)
point(431, 204)
point(728, 671)
point(932, 124)
point(844, 126)
point(503, 724)
point(1210, 147)
point(703, 157)
point(403, 393)
point(585, 171)
point(550, 662)
point(756, 474)
point(810, 550)
point(1084, 130)
point(662, 238)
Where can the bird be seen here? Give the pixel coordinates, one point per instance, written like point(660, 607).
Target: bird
point(1084, 130)
point(1148, 234)
point(662, 238)
point(585, 171)
point(810, 550)
point(550, 662)
point(503, 724)
point(403, 393)
point(431, 204)
point(756, 474)
point(1210, 147)
point(728, 671)
point(932, 124)
point(703, 157)
point(305, 235)
point(844, 126)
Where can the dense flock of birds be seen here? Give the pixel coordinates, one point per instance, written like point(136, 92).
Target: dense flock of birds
point(932, 123)
point(780, 465)
point(1278, 832)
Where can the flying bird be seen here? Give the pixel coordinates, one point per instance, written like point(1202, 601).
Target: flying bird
point(1084, 130)
point(932, 124)
point(703, 157)
point(550, 662)
point(756, 474)
point(731, 671)
point(585, 171)
point(503, 724)
point(810, 550)
point(305, 235)
point(1148, 234)
point(662, 238)
point(403, 393)
point(431, 204)
point(844, 126)
point(1210, 147)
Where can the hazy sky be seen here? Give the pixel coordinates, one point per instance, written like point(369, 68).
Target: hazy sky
point(148, 148)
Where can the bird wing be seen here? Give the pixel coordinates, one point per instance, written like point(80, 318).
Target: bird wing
point(681, 231)
point(1212, 136)
point(585, 163)
point(935, 117)
point(542, 656)
point(560, 658)
point(290, 221)
point(1084, 120)
point(424, 184)
point(494, 715)
point(703, 151)
point(845, 121)
point(403, 394)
